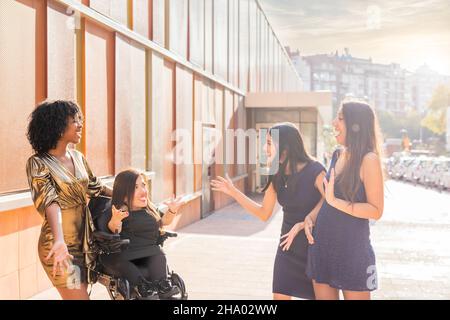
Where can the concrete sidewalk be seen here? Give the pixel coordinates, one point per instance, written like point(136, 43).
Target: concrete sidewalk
point(230, 254)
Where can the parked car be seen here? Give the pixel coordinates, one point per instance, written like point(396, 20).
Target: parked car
point(444, 182)
point(399, 169)
point(416, 169)
point(421, 171)
point(442, 175)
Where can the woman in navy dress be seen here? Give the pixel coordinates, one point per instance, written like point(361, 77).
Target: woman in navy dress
point(342, 257)
point(297, 183)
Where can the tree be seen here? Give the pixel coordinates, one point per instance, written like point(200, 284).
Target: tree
point(435, 119)
point(329, 138)
point(392, 125)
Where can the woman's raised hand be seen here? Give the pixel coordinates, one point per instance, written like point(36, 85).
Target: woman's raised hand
point(223, 185)
point(175, 204)
point(115, 223)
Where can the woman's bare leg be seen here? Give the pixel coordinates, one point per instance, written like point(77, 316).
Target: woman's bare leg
point(279, 296)
point(74, 294)
point(325, 292)
point(356, 295)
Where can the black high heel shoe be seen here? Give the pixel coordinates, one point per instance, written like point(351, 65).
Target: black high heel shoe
point(147, 290)
point(166, 289)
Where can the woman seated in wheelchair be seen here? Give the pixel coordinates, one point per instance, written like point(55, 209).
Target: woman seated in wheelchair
point(143, 263)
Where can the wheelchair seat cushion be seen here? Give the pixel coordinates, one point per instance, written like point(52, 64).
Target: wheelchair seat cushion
point(109, 270)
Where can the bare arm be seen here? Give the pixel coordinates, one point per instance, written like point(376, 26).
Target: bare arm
point(374, 186)
point(262, 211)
point(168, 218)
point(309, 221)
point(54, 218)
point(173, 206)
point(319, 186)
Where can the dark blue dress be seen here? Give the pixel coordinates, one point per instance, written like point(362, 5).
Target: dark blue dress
point(297, 200)
point(342, 255)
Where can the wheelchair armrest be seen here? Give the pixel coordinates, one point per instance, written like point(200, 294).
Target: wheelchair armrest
point(108, 243)
point(164, 235)
point(105, 236)
point(169, 234)
point(124, 242)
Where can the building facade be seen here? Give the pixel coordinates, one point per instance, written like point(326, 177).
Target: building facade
point(346, 76)
point(421, 85)
point(387, 87)
point(140, 70)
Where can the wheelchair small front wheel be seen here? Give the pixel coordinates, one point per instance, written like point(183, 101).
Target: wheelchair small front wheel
point(178, 282)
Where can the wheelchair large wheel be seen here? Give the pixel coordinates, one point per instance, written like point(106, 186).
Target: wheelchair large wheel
point(114, 295)
point(178, 282)
point(119, 290)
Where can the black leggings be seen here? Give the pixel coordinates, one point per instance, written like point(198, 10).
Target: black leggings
point(150, 268)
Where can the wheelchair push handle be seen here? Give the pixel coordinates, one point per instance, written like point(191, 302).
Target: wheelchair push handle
point(164, 235)
point(169, 234)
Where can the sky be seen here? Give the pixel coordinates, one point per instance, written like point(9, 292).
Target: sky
point(408, 32)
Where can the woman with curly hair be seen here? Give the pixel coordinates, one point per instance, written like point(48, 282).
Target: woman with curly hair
point(60, 181)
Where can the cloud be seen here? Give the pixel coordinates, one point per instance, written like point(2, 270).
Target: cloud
point(379, 26)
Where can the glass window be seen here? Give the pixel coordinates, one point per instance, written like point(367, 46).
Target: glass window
point(309, 133)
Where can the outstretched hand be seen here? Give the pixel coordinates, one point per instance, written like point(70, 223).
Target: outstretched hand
point(223, 185)
point(175, 204)
point(61, 257)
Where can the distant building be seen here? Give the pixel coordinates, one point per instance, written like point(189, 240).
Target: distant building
point(421, 85)
point(448, 129)
point(303, 68)
point(385, 86)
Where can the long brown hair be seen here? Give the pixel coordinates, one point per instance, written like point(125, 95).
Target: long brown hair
point(124, 188)
point(363, 136)
point(291, 141)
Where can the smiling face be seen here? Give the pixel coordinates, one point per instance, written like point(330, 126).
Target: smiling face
point(140, 197)
point(269, 147)
point(340, 128)
point(271, 150)
point(72, 134)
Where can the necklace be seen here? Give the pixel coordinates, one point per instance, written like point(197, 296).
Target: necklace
point(285, 181)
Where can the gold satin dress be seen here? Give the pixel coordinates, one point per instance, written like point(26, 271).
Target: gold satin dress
point(51, 182)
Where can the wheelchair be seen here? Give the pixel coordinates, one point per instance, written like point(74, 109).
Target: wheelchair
point(104, 242)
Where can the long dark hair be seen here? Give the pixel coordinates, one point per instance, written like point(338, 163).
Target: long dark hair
point(124, 188)
point(362, 137)
point(290, 141)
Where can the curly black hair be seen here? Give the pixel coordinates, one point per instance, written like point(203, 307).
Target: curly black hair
point(48, 122)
